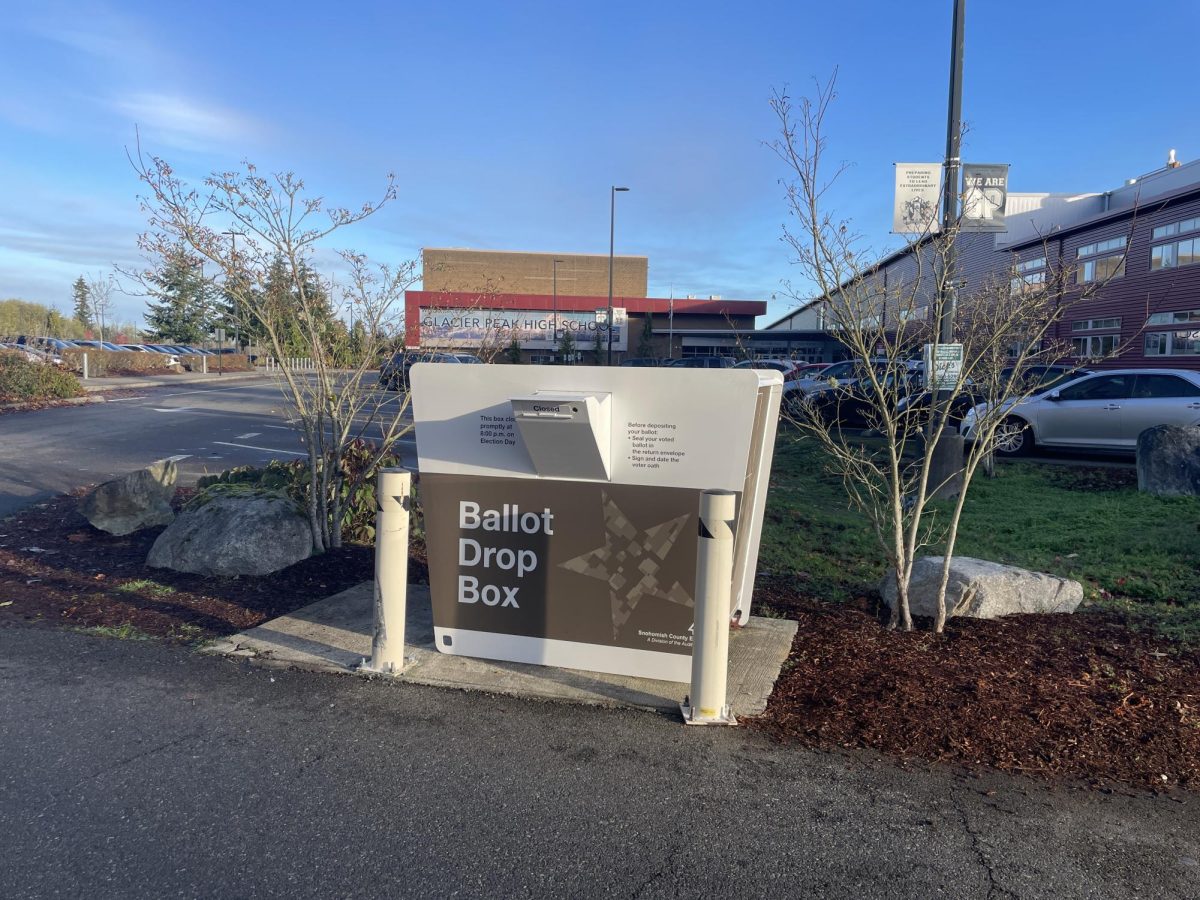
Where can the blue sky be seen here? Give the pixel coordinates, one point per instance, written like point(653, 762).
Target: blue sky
point(506, 123)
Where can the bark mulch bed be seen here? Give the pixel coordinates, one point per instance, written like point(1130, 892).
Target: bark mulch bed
point(57, 569)
point(1078, 697)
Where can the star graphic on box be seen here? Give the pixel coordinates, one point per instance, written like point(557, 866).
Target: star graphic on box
point(630, 561)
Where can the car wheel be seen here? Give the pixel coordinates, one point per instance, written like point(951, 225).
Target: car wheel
point(1013, 437)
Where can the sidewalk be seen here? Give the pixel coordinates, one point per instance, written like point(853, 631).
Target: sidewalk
point(136, 382)
point(334, 635)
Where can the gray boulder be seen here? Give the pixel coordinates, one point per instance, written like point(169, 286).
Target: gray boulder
point(141, 499)
point(234, 535)
point(1168, 461)
point(984, 590)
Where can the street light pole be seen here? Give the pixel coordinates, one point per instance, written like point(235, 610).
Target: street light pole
point(554, 349)
point(233, 236)
point(952, 166)
point(612, 217)
point(946, 460)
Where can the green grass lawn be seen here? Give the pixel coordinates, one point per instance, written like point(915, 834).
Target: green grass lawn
point(1132, 551)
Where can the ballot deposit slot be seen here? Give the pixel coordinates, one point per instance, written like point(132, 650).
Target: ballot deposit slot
point(561, 503)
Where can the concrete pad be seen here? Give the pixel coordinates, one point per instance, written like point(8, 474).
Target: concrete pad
point(334, 635)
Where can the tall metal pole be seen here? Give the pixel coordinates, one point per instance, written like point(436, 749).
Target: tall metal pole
point(671, 324)
point(945, 472)
point(554, 350)
point(949, 299)
point(612, 217)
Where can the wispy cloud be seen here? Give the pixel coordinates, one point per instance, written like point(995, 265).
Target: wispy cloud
point(187, 124)
point(99, 31)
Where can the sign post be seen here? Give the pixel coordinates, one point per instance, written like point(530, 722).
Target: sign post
point(943, 366)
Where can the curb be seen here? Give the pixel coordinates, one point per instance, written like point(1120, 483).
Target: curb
point(49, 404)
point(139, 385)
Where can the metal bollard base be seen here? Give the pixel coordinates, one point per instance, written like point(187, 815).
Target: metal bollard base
point(367, 667)
point(692, 717)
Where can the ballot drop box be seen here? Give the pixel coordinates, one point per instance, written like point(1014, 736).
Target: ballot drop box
point(561, 506)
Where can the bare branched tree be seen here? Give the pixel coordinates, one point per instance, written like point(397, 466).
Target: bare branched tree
point(264, 235)
point(1008, 326)
point(100, 289)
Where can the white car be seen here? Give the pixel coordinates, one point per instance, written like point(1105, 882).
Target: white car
point(1101, 411)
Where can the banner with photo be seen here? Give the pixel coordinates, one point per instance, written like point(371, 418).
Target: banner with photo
point(984, 197)
point(918, 192)
point(533, 329)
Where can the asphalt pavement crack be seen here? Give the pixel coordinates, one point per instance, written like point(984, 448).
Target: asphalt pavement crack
point(994, 887)
point(149, 751)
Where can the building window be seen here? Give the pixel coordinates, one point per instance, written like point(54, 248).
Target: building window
point(1028, 276)
point(1174, 228)
point(1104, 263)
point(1181, 317)
point(1179, 253)
point(1096, 324)
point(1101, 247)
point(1172, 343)
point(1095, 346)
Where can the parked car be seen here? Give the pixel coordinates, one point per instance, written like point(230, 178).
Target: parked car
point(31, 353)
point(703, 362)
point(841, 373)
point(393, 374)
point(1035, 379)
point(1101, 411)
point(810, 370)
point(100, 345)
point(54, 345)
point(642, 361)
point(854, 402)
point(786, 366)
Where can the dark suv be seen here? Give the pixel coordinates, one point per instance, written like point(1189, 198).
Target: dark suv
point(393, 374)
point(703, 362)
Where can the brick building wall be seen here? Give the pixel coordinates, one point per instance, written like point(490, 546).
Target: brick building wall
point(513, 272)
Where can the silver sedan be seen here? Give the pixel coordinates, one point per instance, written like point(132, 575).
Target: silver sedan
point(1101, 411)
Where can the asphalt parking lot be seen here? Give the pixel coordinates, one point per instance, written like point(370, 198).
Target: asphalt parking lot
point(205, 429)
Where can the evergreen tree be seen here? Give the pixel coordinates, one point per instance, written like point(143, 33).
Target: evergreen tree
point(646, 341)
point(566, 348)
point(183, 310)
point(83, 302)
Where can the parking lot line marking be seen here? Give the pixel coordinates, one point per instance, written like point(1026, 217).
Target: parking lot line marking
point(171, 408)
point(248, 435)
point(178, 457)
point(263, 449)
point(232, 387)
point(123, 399)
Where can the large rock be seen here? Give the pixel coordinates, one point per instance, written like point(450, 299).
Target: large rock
point(984, 590)
point(141, 499)
point(244, 535)
point(1168, 461)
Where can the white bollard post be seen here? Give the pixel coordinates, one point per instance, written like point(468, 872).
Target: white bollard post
point(204, 364)
point(706, 704)
point(85, 372)
point(393, 491)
